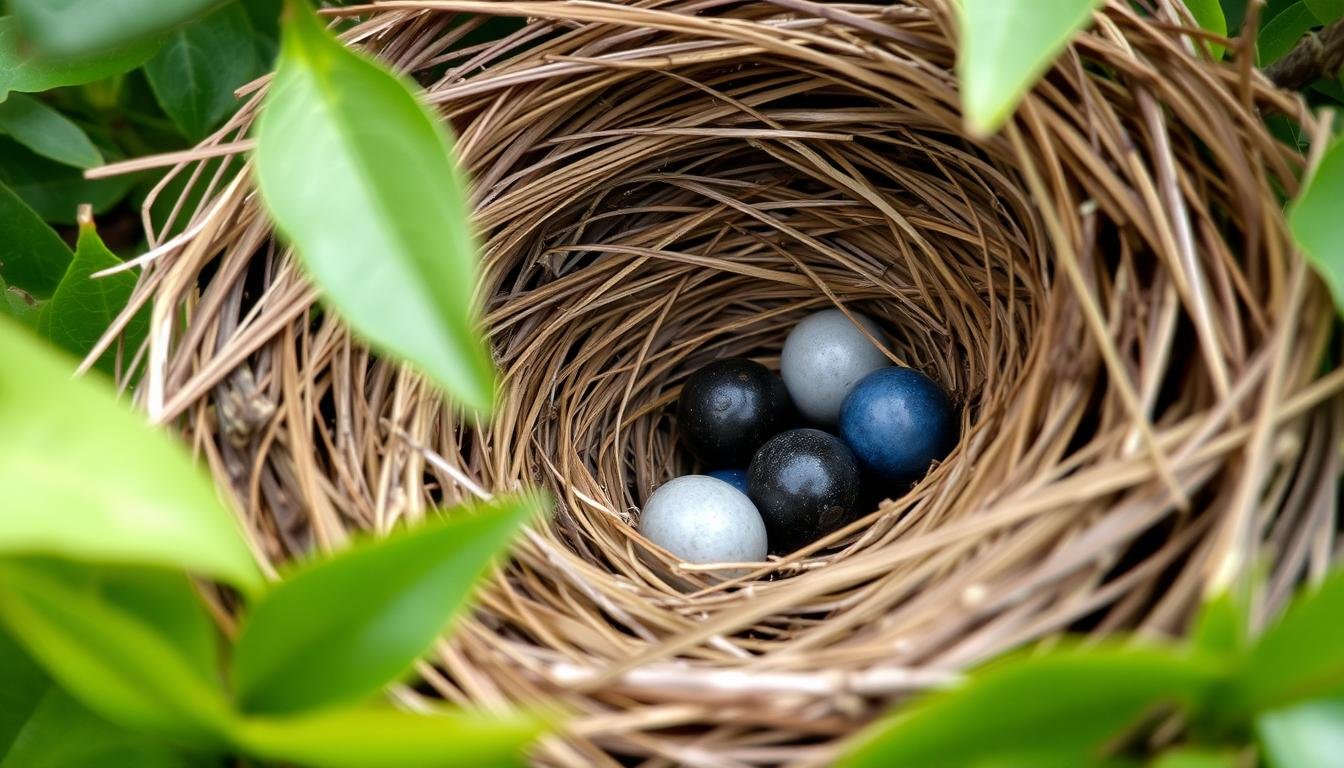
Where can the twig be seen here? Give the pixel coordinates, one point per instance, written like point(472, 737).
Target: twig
point(1318, 54)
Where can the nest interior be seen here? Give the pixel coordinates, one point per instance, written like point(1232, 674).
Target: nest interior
point(1107, 288)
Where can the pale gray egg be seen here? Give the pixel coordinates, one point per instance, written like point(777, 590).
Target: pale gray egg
point(823, 358)
point(703, 519)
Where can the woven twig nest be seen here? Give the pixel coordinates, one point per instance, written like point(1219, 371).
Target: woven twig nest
point(1107, 288)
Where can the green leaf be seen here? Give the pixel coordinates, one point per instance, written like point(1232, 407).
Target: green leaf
point(1079, 697)
point(83, 306)
point(55, 191)
point(1209, 15)
point(366, 737)
point(1278, 36)
point(34, 257)
point(15, 303)
point(47, 132)
point(1309, 735)
point(1220, 628)
point(361, 177)
point(1300, 657)
point(63, 734)
point(75, 27)
point(1197, 758)
point(124, 650)
point(1006, 45)
point(196, 73)
point(22, 686)
point(87, 479)
point(22, 70)
point(368, 612)
point(1316, 224)
point(1326, 11)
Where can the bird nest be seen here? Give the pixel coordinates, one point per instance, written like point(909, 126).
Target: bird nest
point(1106, 287)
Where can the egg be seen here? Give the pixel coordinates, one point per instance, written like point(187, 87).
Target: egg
point(824, 356)
point(898, 421)
point(702, 519)
point(728, 408)
point(734, 477)
point(805, 483)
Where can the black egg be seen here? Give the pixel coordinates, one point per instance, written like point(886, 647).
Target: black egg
point(728, 408)
point(805, 483)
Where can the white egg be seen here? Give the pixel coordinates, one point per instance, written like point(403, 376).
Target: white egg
point(823, 358)
point(703, 519)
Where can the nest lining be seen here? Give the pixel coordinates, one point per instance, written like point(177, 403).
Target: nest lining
point(1107, 288)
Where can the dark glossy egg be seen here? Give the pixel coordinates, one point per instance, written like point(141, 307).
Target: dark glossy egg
point(805, 483)
point(728, 408)
point(898, 422)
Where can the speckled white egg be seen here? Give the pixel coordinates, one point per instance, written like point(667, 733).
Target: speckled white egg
point(824, 356)
point(703, 519)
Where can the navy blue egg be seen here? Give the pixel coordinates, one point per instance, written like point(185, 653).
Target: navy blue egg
point(734, 477)
point(898, 422)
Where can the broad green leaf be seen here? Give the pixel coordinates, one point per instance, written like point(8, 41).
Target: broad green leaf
point(78, 27)
point(1314, 218)
point(366, 737)
point(15, 303)
point(361, 177)
point(1197, 758)
point(1209, 14)
point(1278, 36)
point(1300, 657)
point(128, 660)
point(1326, 11)
point(198, 69)
point(47, 132)
point(34, 257)
point(1220, 628)
point(87, 479)
point(63, 734)
point(1057, 708)
point(22, 70)
point(368, 612)
point(53, 190)
point(1006, 45)
point(22, 686)
point(1309, 735)
point(83, 306)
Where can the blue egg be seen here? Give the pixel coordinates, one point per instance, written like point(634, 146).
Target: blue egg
point(898, 421)
point(734, 477)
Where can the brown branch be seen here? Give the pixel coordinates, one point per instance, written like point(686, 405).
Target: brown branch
point(1318, 54)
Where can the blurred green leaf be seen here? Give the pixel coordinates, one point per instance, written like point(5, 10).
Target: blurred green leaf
point(1006, 45)
point(366, 737)
point(63, 734)
point(1326, 11)
point(1298, 658)
point(128, 661)
point(361, 177)
point(1079, 698)
point(125, 493)
point(1197, 758)
point(1220, 628)
point(83, 306)
point(1279, 35)
point(1317, 226)
point(368, 612)
point(195, 74)
point(1209, 14)
point(77, 27)
point(34, 257)
point(53, 190)
point(1309, 735)
point(22, 70)
point(47, 132)
point(22, 686)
